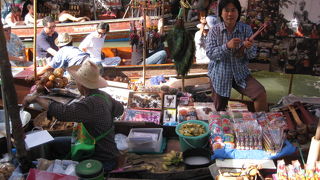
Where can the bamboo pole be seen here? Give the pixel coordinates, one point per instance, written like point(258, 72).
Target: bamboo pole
point(35, 10)
point(290, 84)
point(144, 45)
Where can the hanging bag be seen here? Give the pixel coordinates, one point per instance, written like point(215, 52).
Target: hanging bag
point(84, 144)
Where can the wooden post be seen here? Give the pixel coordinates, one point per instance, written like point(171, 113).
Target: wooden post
point(35, 10)
point(144, 45)
point(290, 84)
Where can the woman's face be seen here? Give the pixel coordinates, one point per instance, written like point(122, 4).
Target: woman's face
point(230, 14)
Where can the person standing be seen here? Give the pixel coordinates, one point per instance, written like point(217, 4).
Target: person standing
point(46, 48)
point(227, 69)
point(94, 42)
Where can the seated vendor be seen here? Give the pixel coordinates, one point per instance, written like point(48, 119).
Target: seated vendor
point(65, 16)
point(67, 55)
point(95, 111)
point(156, 53)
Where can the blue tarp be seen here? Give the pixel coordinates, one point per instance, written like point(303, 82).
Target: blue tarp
point(252, 154)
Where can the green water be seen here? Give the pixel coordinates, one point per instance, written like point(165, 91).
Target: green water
point(277, 85)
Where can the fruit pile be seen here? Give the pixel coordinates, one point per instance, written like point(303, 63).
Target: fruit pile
point(52, 79)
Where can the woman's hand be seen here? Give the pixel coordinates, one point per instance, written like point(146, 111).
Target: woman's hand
point(233, 43)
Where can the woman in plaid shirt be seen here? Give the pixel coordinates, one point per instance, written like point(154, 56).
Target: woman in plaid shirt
point(228, 69)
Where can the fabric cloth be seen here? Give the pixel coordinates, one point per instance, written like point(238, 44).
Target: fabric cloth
point(44, 42)
point(97, 117)
point(111, 61)
point(200, 44)
point(224, 67)
point(253, 154)
point(94, 45)
point(15, 46)
point(68, 56)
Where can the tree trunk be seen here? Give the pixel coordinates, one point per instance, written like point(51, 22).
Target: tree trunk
point(10, 96)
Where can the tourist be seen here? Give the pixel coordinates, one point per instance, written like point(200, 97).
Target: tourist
point(227, 69)
point(95, 111)
point(67, 55)
point(46, 48)
point(14, 17)
point(29, 19)
point(94, 42)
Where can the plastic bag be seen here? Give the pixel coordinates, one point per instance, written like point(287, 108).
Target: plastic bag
point(35, 174)
point(121, 141)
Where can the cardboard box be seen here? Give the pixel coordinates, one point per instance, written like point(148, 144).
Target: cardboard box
point(145, 139)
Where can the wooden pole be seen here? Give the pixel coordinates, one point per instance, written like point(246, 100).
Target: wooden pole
point(290, 84)
point(35, 10)
point(144, 45)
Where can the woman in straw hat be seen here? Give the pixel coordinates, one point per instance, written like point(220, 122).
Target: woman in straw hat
point(96, 111)
point(67, 56)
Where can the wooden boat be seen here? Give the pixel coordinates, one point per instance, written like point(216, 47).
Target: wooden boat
point(119, 29)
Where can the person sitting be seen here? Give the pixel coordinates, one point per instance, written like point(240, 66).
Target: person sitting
point(200, 43)
point(29, 19)
point(156, 53)
point(67, 55)
point(65, 16)
point(14, 17)
point(95, 111)
point(15, 48)
point(46, 47)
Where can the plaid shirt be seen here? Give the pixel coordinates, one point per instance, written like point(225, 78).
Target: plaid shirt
point(97, 116)
point(224, 66)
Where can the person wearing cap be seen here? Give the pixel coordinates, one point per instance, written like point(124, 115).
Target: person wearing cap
point(67, 55)
point(94, 42)
point(228, 62)
point(96, 111)
point(200, 43)
point(15, 47)
point(46, 47)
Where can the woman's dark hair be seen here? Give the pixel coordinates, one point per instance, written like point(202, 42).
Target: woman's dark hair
point(104, 26)
point(224, 3)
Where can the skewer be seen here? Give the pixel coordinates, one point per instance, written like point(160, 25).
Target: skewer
point(240, 50)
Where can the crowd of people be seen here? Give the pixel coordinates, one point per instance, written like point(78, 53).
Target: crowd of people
point(22, 14)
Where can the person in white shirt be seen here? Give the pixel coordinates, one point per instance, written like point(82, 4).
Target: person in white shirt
point(29, 19)
point(200, 43)
point(94, 42)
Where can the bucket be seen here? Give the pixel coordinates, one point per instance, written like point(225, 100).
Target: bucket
point(192, 142)
point(90, 170)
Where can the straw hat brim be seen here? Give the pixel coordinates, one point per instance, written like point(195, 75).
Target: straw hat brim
point(59, 44)
point(88, 83)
